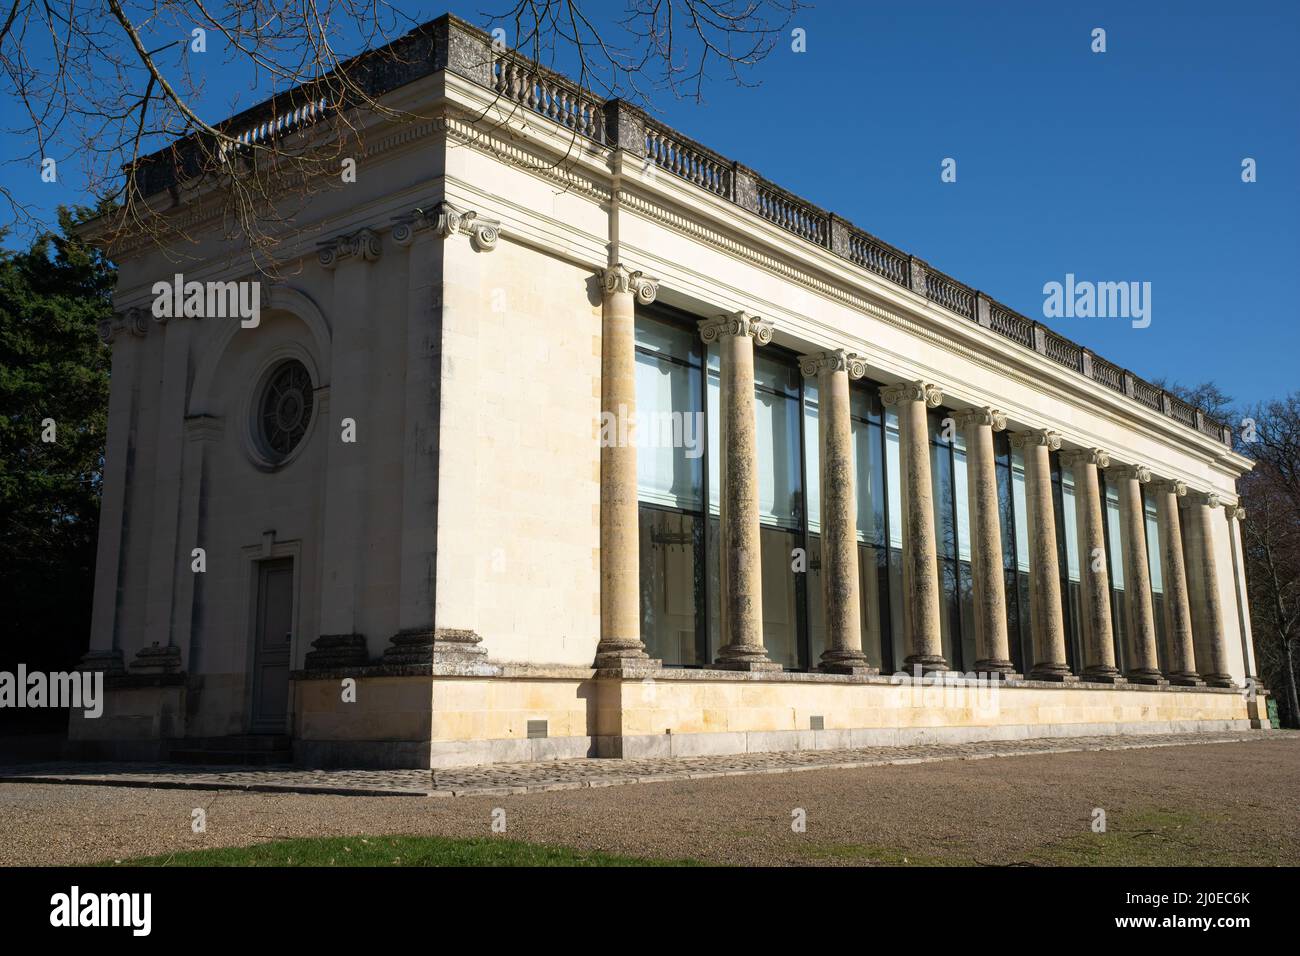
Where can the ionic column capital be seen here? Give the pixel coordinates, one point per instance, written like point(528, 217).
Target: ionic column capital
point(1169, 486)
point(1235, 512)
point(834, 360)
point(363, 244)
point(1033, 437)
point(917, 391)
point(737, 323)
point(1139, 473)
point(987, 415)
point(618, 278)
point(1197, 499)
point(446, 220)
point(133, 321)
point(1071, 457)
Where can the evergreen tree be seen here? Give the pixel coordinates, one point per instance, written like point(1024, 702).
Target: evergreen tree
point(53, 384)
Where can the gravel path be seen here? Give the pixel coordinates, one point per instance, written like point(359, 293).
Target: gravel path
point(513, 778)
point(1235, 803)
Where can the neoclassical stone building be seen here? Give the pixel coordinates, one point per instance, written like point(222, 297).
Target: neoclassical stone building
point(648, 456)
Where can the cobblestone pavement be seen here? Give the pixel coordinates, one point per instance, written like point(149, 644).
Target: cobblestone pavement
point(511, 778)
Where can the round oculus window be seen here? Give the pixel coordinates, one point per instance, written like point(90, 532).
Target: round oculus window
point(285, 409)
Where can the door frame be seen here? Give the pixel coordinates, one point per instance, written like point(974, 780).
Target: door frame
point(254, 554)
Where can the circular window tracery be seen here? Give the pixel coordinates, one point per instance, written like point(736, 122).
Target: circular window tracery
point(284, 411)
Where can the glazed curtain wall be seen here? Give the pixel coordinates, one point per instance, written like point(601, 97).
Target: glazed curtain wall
point(679, 485)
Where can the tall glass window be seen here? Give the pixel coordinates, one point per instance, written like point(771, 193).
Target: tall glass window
point(1155, 561)
point(873, 528)
point(1011, 551)
point(1067, 541)
point(812, 481)
point(1018, 593)
point(670, 487)
point(894, 481)
point(952, 534)
point(679, 484)
point(1118, 591)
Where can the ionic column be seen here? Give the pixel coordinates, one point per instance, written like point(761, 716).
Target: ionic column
point(1236, 519)
point(620, 585)
point(740, 554)
point(1046, 620)
point(922, 636)
point(839, 511)
point(1203, 582)
point(1181, 663)
point(992, 652)
point(1144, 664)
point(1098, 629)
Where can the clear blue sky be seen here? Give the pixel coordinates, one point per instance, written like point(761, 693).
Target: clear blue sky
point(1122, 166)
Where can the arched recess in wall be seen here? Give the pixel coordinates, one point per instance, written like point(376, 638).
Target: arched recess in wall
point(279, 298)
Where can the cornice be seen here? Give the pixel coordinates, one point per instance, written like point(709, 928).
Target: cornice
point(569, 174)
point(939, 333)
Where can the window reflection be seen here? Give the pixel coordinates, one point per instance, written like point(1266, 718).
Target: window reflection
point(679, 536)
point(1115, 558)
point(1155, 564)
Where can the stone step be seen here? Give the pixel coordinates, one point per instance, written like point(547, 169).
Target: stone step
point(248, 749)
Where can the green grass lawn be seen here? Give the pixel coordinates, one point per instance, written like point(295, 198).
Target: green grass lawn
point(1144, 837)
point(395, 851)
point(1148, 837)
point(1157, 837)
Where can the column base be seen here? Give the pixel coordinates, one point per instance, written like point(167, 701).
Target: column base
point(1053, 671)
point(997, 668)
point(745, 659)
point(863, 669)
point(633, 668)
point(1103, 674)
point(1219, 680)
point(157, 659)
point(846, 662)
point(1186, 679)
point(337, 650)
point(1146, 676)
point(928, 663)
point(747, 666)
point(621, 652)
point(443, 645)
point(108, 660)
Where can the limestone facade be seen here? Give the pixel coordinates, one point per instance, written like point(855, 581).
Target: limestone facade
point(471, 561)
